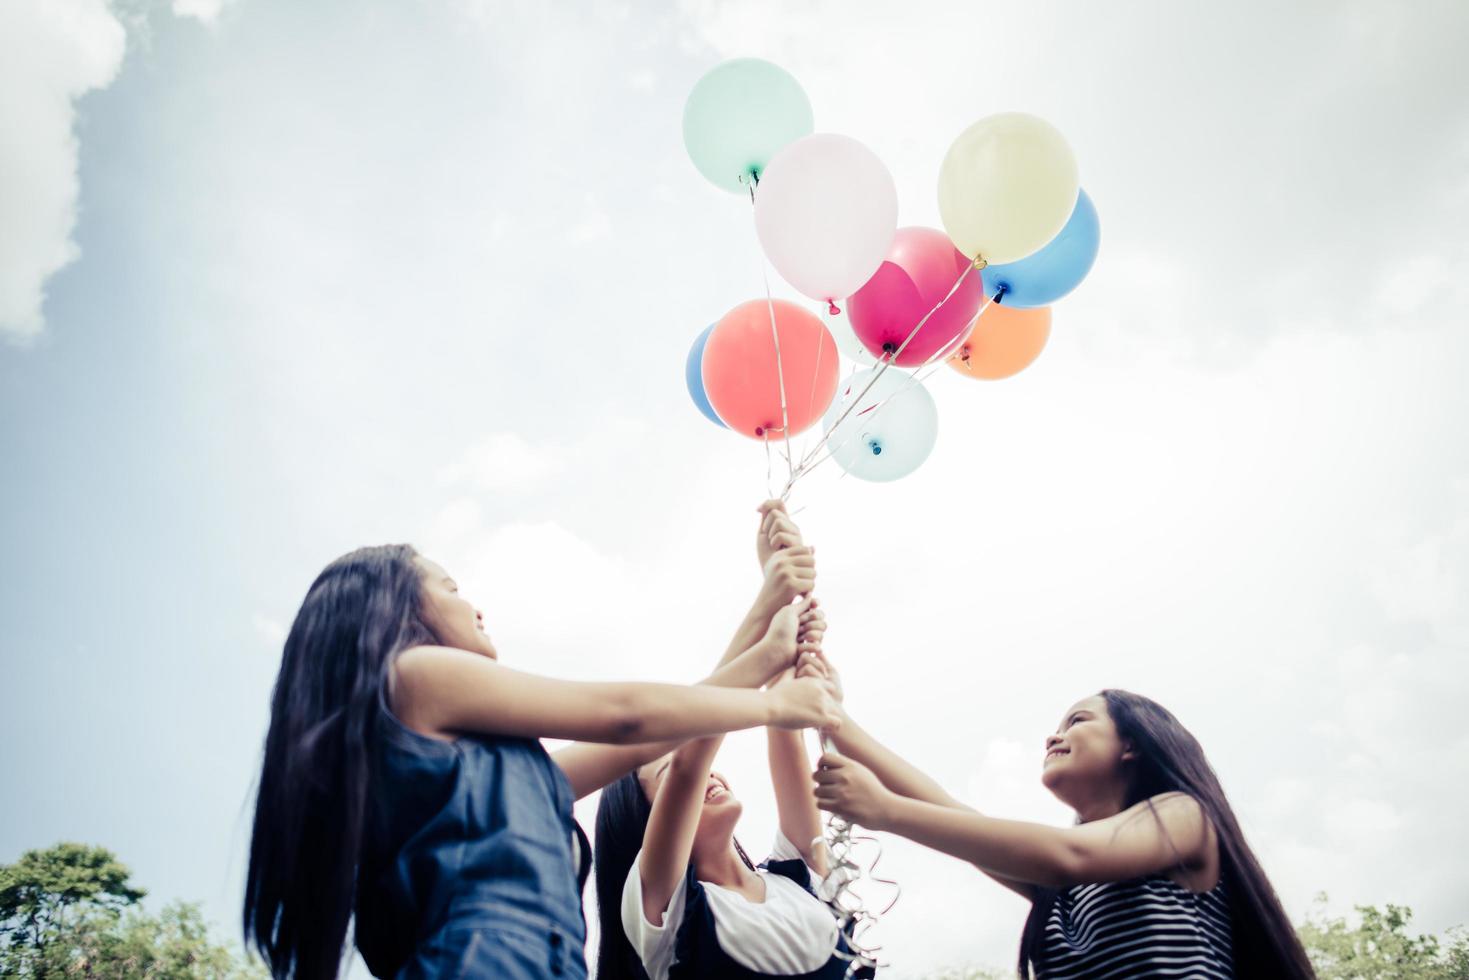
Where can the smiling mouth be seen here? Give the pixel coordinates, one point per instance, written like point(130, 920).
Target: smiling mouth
point(715, 789)
point(1055, 754)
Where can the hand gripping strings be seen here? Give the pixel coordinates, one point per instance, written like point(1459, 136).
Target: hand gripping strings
point(809, 461)
point(839, 890)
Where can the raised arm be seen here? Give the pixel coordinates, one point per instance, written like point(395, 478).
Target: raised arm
point(749, 660)
point(589, 767)
point(672, 824)
point(790, 767)
point(443, 692)
point(787, 568)
point(1167, 832)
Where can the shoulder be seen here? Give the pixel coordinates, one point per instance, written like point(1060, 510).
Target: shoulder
point(419, 677)
point(1177, 809)
point(1183, 820)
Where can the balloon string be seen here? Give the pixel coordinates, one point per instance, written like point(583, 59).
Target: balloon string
point(839, 892)
point(785, 418)
point(769, 489)
point(889, 358)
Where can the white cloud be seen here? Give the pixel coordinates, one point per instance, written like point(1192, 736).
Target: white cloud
point(205, 11)
point(51, 54)
point(503, 461)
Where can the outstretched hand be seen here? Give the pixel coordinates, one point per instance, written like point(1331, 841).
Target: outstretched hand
point(803, 704)
point(852, 791)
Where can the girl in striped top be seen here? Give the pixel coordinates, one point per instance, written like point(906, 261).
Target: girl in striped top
point(1155, 879)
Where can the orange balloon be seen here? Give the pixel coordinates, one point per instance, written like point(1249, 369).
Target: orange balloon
point(741, 379)
point(1004, 342)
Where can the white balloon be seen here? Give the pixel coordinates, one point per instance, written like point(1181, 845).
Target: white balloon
point(1007, 187)
point(890, 431)
point(826, 210)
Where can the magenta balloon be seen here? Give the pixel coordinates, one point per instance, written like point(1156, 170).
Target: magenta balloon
point(921, 267)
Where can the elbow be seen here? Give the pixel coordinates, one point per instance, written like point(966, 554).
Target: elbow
point(626, 722)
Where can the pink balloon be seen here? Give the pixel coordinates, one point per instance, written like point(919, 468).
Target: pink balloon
point(741, 377)
point(921, 267)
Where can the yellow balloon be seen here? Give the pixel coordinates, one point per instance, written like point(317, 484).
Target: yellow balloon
point(1007, 187)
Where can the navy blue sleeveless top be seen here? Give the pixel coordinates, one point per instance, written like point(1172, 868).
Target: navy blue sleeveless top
point(468, 865)
point(700, 957)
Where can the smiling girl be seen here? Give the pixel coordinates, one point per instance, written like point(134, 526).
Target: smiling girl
point(677, 896)
point(1155, 878)
point(404, 782)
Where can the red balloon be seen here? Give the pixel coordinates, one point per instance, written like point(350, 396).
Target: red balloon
point(921, 267)
point(740, 375)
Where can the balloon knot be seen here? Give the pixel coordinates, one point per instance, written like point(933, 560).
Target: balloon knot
point(759, 430)
point(831, 307)
point(1000, 293)
point(876, 448)
point(980, 262)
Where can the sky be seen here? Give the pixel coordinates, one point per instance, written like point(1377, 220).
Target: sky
point(278, 280)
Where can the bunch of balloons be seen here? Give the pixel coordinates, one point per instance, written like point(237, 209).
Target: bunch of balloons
point(1018, 234)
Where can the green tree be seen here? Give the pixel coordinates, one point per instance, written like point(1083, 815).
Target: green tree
point(70, 911)
point(1380, 947)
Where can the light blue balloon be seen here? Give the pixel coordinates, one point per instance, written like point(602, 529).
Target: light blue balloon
point(694, 376)
point(888, 433)
point(1054, 271)
point(739, 115)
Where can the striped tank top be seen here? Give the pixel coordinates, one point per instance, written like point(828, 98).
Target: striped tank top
point(1144, 927)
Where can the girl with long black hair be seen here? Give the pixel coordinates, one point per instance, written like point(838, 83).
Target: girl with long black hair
point(404, 783)
point(677, 896)
point(1155, 879)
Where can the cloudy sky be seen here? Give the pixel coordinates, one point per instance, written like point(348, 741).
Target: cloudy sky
point(281, 279)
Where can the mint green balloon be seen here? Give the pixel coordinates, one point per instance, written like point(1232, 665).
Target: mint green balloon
point(741, 114)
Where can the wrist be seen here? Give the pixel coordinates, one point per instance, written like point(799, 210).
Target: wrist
point(888, 812)
point(768, 708)
point(766, 604)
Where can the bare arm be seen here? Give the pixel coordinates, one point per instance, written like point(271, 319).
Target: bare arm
point(1160, 834)
point(790, 766)
point(669, 838)
point(906, 779)
point(443, 692)
point(896, 773)
point(589, 767)
point(789, 571)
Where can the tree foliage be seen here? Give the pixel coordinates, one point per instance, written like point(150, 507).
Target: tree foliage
point(1380, 947)
point(70, 911)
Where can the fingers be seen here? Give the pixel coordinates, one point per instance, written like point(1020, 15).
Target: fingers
point(797, 555)
point(772, 504)
point(811, 664)
point(780, 540)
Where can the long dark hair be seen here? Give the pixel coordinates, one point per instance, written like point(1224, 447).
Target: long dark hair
point(622, 822)
point(310, 811)
point(1169, 759)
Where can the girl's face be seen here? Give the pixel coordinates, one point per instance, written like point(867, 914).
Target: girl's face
point(453, 619)
point(721, 809)
point(1086, 754)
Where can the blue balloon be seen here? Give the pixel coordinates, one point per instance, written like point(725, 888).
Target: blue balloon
point(1054, 271)
point(694, 375)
